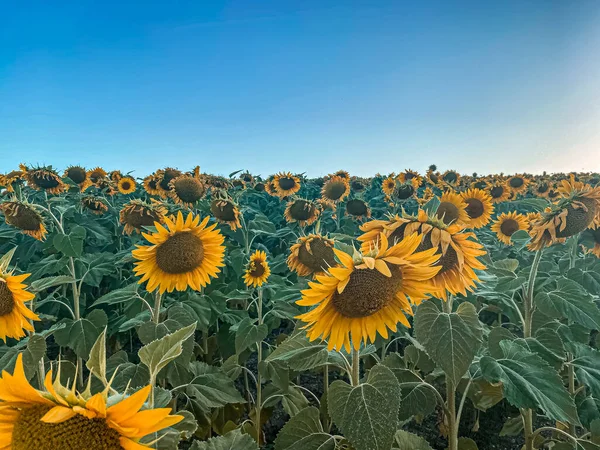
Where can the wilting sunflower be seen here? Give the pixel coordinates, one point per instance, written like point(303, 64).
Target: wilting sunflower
point(369, 295)
point(11, 179)
point(165, 176)
point(137, 214)
point(452, 209)
point(336, 189)
point(479, 207)
point(388, 186)
point(226, 211)
point(79, 176)
point(59, 418)
point(569, 216)
point(96, 205)
point(302, 211)
point(97, 174)
point(311, 255)
point(247, 177)
point(45, 179)
point(508, 224)
point(186, 190)
point(449, 178)
point(459, 250)
point(25, 217)
point(14, 315)
point(517, 184)
point(151, 185)
point(126, 185)
point(286, 184)
point(593, 235)
point(257, 270)
point(358, 209)
point(499, 192)
point(238, 184)
point(184, 254)
point(115, 175)
point(408, 175)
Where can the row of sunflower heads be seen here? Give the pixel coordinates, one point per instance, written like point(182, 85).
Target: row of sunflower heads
point(402, 261)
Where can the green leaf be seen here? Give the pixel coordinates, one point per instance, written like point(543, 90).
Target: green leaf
point(70, 244)
point(568, 300)
point(451, 340)
point(367, 414)
point(529, 382)
point(96, 364)
point(466, 444)
point(249, 334)
point(497, 335)
point(304, 432)
point(159, 353)
point(299, 353)
point(586, 362)
point(211, 387)
point(124, 294)
point(233, 440)
point(5, 260)
point(82, 335)
point(408, 441)
point(45, 283)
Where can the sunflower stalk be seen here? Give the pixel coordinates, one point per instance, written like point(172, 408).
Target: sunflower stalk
point(259, 307)
point(157, 305)
point(355, 367)
point(451, 414)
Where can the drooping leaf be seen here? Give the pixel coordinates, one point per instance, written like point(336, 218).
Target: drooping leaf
point(96, 363)
point(159, 353)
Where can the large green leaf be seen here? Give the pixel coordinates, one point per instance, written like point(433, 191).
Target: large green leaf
point(159, 353)
point(568, 300)
point(304, 432)
point(529, 382)
point(44, 283)
point(211, 387)
point(83, 333)
point(451, 340)
point(121, 295)
point(249, 334)
point(299, 353)
point(96, 363)
point(70, 244)
point(233, 440)
point(403, 440)
point(367, 414)
point(586, 362)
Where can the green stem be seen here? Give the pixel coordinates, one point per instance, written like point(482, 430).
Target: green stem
point(326, 425)
point(452, 425)
point(571, 371)
point(259, 305)
point(355, 367)
point(157, 303)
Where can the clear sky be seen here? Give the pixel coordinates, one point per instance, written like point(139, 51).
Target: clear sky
point(307, 86)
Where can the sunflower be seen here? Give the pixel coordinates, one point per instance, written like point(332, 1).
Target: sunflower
point(96, 205)
point(542, 189)
point(408, 175)
point(107, 186)
point(569, 216)
point(257, 270)
point(165, 176)
point(358, 209)
point(137, 214)
point(302, 211)
point(151, 185)
point(14, 315)
point(357, 185)
point(24, 217)
point(97, 174)
point(311, 255)
point(247, 177)
point(479, 207)
point(186, 190)
point(238, 184)
point(459, 249)
point(10, 179)
point(388, 186)
point(226, 211)
point(499, 192)
point(450, 178)
point(369, 295)
point(405, 191)
point(79, 176)
point(508, 224)
point(517, 184)
point(60, 418)
point(432, 176)
point(336, 189)
point(428, 194)
point(452, 209)
point(45, 179)
point(481, 183)
point(259, 186)
point(341, 173)
point(271, 188)
point(286, 184)
point(184, 254)
point(126, 185)
point(594, 236)
point(115, 175)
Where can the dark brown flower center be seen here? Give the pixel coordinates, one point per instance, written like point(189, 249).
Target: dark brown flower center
point(7, 301)
point(45, 180)
point(450, 177)
point(223, 210)
point(367, 292)
point(189, 189)
point(579, 217)
point(543, 187)
point(79, 432)
point(474, 208)
point(480, 184)
point(448, 212)
point(334, 190)
point(77, 174)
point(302, 210)
point(405, 191)
point(257, 269)
point(356, 207)
point(125, 185)
point(260, 187)
point(180, 253)
point(168, 175)
point(320, 258)
point(23, 217)
point(509, 227)
point(497, 191)
point(287, 183)
point(516, 182)
point(141, 216)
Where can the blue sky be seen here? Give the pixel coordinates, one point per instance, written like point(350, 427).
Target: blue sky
point(307, 86)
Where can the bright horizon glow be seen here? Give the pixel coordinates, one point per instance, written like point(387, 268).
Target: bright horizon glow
point(311, 87)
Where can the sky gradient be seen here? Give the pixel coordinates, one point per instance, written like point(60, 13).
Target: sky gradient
point(312, 86)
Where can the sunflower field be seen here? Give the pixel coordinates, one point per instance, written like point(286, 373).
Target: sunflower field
point(406, 311)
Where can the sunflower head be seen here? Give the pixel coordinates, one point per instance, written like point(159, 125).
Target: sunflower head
point(286, 184)
point(165, 176)
point(259, 186)
point(96, 205)
point(432, 176)
point(357, 185)
point(452, 209)
point(408, 175)
point(115, 175)
point(405, 191)
point(187, 190)
point(499, 192)
point(389, 185)
point(593, 236)
point(368, 294)
point(97, 174)
point(126, 185)
point(151, 185)
point(311, 255)
point(542, 189)
point(508, 224)
point(358, 209)
point(271, 188)
point(136, 215)
point(25, 217)
point(450, 177)
point(185, 253)
point(428, 194)
point(336, 189)
point(14, 315)
point(341, 173)
point(479, 207)
point(247, 177)
point(226, 211)
point(302, 211)
point(481, 184)
point(11, 179)
point(517, 183)
point(257, 270)
point(45, 179)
